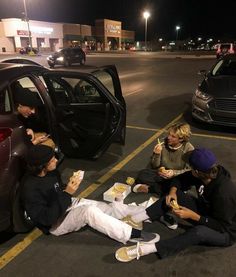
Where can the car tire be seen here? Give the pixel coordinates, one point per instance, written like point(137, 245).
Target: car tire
point(82, 62)
point(20, 222)
point(51, 65)
point(67, 63)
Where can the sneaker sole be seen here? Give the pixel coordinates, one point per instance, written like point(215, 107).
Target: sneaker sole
point(172, 227)
point(154, 240)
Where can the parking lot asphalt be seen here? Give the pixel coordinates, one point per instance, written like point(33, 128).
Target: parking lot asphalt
point(89, 253)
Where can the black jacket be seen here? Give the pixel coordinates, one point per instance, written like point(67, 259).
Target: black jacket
point(216, 201)
point(44, 199)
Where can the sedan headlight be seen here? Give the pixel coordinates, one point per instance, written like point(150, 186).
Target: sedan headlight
point(202, 95)
point(60, 59)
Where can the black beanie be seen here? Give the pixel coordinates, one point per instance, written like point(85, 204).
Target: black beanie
point(39, 155)
point(26, 97)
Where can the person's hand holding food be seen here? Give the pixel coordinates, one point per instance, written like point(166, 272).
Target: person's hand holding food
point(74, 182)
point(158, 147)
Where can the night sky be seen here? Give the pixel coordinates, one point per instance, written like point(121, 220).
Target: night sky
point(197, 18)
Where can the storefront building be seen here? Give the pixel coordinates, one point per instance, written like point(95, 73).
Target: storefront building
point(47, 36)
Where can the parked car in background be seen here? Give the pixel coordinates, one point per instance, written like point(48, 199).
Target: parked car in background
point(214, 101)
point(84, 112)
point(225, 48)
point(67, 57)
point(27, 50)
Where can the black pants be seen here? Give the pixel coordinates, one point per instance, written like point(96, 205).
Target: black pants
point(156, 183)
point(198, 234)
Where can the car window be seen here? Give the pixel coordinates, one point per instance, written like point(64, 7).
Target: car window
point(5, 106)
point(227, 67)
point(216, 68)
point(106, 79)
point(86, 93)
point(73, 90)
point(25, 83)
point(225, 46)
point(62, 92)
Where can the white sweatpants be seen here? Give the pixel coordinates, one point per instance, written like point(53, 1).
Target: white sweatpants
point(99, 215)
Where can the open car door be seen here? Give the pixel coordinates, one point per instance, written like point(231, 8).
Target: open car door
point(89, 117)
point(112, 83)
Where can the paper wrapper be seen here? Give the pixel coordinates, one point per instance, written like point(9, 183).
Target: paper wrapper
point(117, 191)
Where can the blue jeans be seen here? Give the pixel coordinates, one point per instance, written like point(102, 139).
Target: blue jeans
point(197, 235)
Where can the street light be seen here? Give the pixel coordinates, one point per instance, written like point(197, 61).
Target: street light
point(177, 28)
point(146, 15)
point(27, 20)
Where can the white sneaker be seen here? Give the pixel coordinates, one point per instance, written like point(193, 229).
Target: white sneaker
point(127, 254)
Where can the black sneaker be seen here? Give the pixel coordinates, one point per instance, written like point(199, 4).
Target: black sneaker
point(147, 237)
point(169, 221)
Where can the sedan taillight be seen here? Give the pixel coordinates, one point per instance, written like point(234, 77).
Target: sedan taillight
point(4, 133)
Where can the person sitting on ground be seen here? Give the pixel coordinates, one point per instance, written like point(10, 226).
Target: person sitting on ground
point(52, 208)
point(27, 103)
point(166, 161)
point(212, 214)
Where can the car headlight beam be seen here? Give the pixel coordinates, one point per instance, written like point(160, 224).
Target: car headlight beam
point(60, 59)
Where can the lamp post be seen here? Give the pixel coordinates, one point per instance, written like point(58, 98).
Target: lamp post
point(177, 28)
point(146, 15)
point(28, 26)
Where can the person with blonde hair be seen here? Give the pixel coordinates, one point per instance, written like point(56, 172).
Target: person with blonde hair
point(167, 161)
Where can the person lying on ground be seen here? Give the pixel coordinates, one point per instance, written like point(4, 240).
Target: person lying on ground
point(53, 210)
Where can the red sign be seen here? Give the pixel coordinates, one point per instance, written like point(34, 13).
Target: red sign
point(22, 33)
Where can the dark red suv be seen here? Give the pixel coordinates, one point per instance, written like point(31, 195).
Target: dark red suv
point(84, 112)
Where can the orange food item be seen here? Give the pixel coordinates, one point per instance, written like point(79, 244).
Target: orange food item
point(161, 169)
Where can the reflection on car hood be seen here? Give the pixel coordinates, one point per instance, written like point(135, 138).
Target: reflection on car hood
point(222, 86)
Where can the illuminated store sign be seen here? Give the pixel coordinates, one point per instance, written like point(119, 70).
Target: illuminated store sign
point(41, 30)
point(22, 33)
point(113, 28)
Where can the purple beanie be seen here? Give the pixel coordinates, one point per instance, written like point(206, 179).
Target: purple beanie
point(202, 159)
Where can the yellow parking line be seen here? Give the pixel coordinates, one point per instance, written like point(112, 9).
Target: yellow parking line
point(142, 128)
point(21, 246)
point(117, 167)
point(193, 134)
point(214, 136)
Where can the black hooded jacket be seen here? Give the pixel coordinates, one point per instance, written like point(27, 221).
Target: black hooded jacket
point(44, 199)
point(216, 201)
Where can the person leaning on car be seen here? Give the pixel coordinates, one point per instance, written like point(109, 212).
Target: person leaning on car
point(52, 208)
point(26, 103)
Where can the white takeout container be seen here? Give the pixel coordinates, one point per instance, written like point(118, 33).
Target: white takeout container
point(116, 192)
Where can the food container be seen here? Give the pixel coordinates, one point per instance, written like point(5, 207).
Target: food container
point(117, 192)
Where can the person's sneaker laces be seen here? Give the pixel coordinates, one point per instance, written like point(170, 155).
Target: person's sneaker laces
point(127, 254)
point(136, 225)
point(146, 238)
point(169, 221)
